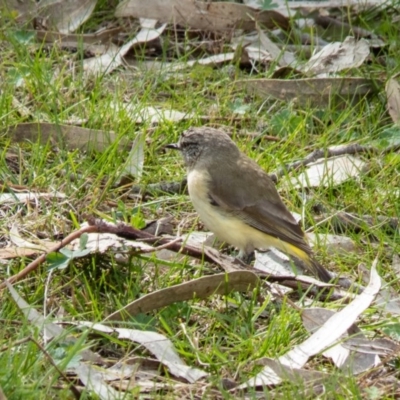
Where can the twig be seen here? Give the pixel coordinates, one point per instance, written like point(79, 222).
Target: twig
point(16, 343)
point(162, 247)
point(40, 260)
point(130, 233)
point(227, 263)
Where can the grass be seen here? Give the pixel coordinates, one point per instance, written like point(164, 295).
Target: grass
point(223, 335)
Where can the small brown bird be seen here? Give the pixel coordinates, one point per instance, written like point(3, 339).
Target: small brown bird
point(238, 201)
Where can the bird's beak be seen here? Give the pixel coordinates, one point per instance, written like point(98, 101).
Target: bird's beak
point(174, 146)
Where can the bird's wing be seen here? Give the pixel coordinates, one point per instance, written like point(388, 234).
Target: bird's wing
point(256, 201)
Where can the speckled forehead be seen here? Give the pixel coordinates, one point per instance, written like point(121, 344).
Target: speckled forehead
point(201, 137)
point(193, 137)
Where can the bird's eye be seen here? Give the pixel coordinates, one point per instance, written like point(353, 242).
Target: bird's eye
point(187, 143)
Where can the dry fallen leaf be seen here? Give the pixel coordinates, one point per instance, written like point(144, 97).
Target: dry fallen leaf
point(102, 242)
point(135, 161)
point(341, 355)
point(274, 263)
point(93, 379)
point(15, 198)
point(113, 58)
point(302, 376)
point(327, 335)
point(393, 99)
point(333, 244)
point(212, 60)
point(329, 172)
point(196, 288)
point(317, 92)
point(73, 137)
point(158, 345)
point(337, 56)
point(149, 114)
point(163, 349)
point(22, 243)
point(48, 329)
point(66, 15)
point(284, 58)
point(292, 8)
point(212, 16)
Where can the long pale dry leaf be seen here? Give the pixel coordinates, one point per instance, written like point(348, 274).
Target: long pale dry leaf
point(341, 355)
point(201, 15)
point(101, 242)
point(70, 136)
point(163, 349)
point(66, 15)
point(15, 198)
point(333, 244)
point(22, 243)
point(335, 326)
point(158, 345)
point(212, 60)
point(92, 378)
point(150, 114)
point(393, 99)
point(200, 288)
point(135, 160)
point(284, 58)
point(309, 7)
point(318, 92)
point(326, 336)
point(114, 56)
point(49, 329)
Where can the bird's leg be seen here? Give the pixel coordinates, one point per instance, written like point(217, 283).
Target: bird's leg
point(246, 258)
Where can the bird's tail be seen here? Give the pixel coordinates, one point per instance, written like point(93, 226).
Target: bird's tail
point(309, 262)
point(317, 269)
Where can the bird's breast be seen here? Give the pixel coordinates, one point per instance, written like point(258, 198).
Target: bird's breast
point(227, 227)
point(198, 186)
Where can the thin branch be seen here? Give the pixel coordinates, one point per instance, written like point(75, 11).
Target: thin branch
point(41, 259)
point(227, 263)
point(16, 343)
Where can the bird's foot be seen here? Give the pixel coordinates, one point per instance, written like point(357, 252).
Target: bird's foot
point(246, 258)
